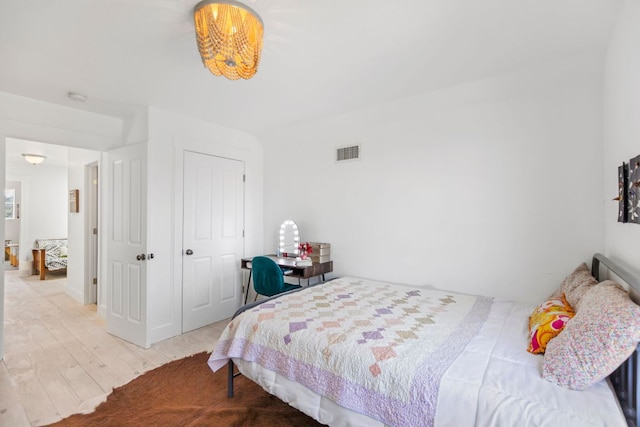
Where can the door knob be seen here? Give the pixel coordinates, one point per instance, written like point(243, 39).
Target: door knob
point(189, 252)
point(141, 257)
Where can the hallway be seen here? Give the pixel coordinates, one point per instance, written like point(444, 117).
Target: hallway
point(60, 360)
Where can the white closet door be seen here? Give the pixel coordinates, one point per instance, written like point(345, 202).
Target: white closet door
point(213, 222)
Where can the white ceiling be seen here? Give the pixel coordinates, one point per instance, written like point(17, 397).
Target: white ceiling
point(56, 155)
point(320, 57)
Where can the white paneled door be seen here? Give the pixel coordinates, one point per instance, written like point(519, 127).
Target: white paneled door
point(126, 260)
point(212, 239)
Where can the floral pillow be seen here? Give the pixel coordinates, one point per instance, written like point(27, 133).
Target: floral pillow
point(546, 322)
point(575, 285)
point(603, 334)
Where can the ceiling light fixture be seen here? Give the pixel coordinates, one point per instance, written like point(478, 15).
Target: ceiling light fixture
point(229, 36)
point(34, 159)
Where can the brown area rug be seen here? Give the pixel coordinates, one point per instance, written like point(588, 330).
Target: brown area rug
point(186, 392)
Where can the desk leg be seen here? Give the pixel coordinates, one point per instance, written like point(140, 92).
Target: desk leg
point(230, 378)
point(246, 294)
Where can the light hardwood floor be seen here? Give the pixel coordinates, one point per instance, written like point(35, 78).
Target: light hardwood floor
point(60, 360)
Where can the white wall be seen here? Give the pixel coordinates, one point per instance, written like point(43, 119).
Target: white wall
point(622, 128)
point(491, 187)
point(44, 205)
point(25, 118)
point(169, 135)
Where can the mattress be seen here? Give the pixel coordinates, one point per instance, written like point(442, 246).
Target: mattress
point(493, 382)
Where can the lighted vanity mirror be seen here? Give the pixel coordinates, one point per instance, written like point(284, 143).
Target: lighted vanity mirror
point(289, 239)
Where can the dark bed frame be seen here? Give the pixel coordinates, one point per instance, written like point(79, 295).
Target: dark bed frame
point(624, 380)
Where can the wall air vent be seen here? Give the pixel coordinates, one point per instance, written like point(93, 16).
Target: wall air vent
point(351, 152)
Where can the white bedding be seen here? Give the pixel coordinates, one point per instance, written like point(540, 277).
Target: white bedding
point(494, 382)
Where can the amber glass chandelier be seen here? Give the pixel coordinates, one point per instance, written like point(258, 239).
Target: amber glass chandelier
point(229, 36)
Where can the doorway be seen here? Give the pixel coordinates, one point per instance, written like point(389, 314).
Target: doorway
point(12, 201)
point(45, 212)
point(91, 233)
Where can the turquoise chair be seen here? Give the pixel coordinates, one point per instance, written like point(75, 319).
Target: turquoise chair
point(268, 278)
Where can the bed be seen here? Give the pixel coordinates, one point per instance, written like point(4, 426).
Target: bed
point(428, 357)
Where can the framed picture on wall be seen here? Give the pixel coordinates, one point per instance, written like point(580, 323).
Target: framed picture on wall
point(633, 186)
point(623, 202)
point(74, 201)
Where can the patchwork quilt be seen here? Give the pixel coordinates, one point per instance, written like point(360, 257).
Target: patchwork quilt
point(376, 348)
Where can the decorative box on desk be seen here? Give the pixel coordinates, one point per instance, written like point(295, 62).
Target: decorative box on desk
point(320, 248)
point(321, 252)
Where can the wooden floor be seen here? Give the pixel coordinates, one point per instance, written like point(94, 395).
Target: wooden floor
point(60, 360)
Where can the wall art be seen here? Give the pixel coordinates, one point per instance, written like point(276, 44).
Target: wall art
point(633, 187)
point(623, 201)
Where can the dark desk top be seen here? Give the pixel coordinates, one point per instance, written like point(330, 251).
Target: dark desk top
point(281, 261)
point(305, 272)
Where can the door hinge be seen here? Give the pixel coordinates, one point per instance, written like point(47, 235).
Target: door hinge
point(95, 231)
point(242, 233)
point(95, 280)
point(244, 178)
